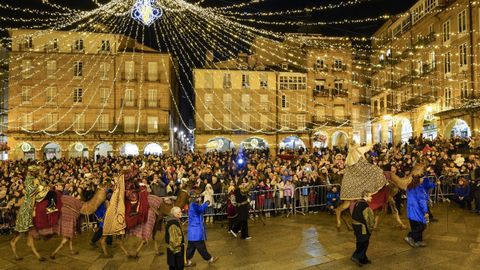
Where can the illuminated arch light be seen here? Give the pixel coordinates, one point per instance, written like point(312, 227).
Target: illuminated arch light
point(129, 149)
point(145, 12)
point(153, 149)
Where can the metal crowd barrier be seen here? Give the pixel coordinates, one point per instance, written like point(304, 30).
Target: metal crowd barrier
point(312, 198)
point(445, 186)
point(7, 220)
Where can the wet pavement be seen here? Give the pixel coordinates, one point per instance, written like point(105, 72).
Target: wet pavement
point(300, 242)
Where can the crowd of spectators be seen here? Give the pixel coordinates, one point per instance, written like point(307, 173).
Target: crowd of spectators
point(277, 180)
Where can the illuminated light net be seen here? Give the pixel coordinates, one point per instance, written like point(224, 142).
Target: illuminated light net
point(190, 28)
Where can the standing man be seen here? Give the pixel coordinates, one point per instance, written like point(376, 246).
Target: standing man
point(241, 224)
point(362, 221)
point(174, 237)
point(196, 231)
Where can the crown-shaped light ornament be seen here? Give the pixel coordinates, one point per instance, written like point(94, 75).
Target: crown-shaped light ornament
point(145, 11)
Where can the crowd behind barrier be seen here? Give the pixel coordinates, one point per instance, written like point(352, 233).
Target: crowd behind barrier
point(292, 182)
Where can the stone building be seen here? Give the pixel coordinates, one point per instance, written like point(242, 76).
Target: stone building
point(75, 94)
point(424, 69)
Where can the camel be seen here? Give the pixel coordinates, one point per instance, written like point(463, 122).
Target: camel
point(158, 210)
point(396, 184)
point(66, 226)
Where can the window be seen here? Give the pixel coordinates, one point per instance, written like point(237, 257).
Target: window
point(245, 101)
point(78, 95)
point(293, 82)
point(264, 122)
point(431, 29)
point(78, 69)
point(263, 81)
point(284, 101)
point(227, 101)
point(227, 120)
point(208, 100)
point(463, 56)
point(79, 122)
point(27, 121)
point(208, 121)
point(152, 71)
point(338, 85)
point(446, 31)
point(464, 90)
point(51, 121)
point(152, 124)
point(104, 93)
point(246, 121)
point(55, 43)
point(103, 122)
point(26, 94)
point(302, 103)
point(355, 114)
point(432, 60)
point(129, 123)
point(129, 70)
point(447, 97)
point(339, 113)
point(51, 95)
point(284, 121)
point(104, 69)
point(27, 69)
point(208, 83)
point(301, 119)
point(28, 43)
point(152, 101)
point(129, 97)
point(319, 64)
point(264, 102)
point(105, 46)
point(462, 21)
point(227, 81)
point(51, 69)
point(320, 87)
point(245, 81)
point(337, 64)
point(78, 46)
point(447, 64)
point(284, 66)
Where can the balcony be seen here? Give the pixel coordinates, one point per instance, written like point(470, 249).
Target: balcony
point(320, 68)
point(340, 92)
point(151, 103)
point(74, 49)
point(25, 46)
point(129, 76)
point(425, 40)
point(417, 100)
point(321, 93)
point(337, 68)
point(50, 48)
point(128, 102)
point(153, 77)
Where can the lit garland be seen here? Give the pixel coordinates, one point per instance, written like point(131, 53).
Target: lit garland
point(145, 12)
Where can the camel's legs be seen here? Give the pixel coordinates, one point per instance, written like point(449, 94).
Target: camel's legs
point(72, 251)
point(13, 245)
point(64, 241)
point(395, 214)
point(103, 244)
point(142, 243)
point(122, 246)
point(338, 212)
point(158, 244)
point(31, 244)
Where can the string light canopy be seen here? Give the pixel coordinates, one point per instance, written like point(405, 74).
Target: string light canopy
point(145, 12)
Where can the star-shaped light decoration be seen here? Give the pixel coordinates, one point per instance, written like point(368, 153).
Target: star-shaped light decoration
point(145, 11)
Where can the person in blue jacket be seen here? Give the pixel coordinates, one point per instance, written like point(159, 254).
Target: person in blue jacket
point(196, 231)
point(429, 185)
point(417, 212)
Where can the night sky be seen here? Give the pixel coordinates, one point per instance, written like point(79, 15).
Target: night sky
point(370, 8)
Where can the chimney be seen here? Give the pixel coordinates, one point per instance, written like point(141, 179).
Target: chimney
point(209, 58)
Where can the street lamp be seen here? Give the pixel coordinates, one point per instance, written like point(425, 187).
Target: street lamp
point(175, 129)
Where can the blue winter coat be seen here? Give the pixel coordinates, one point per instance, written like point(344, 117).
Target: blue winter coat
point(196, 227)
point(417, 207)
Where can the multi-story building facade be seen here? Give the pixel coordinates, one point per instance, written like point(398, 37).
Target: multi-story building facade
point(336, 101)
point(77, 94)
point(242, 102)
point(424, 72)
point(3, 102)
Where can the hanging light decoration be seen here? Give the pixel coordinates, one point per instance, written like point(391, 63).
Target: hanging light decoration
point(144, 11)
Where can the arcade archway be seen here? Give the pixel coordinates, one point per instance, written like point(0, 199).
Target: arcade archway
point(292, 143)
point(103, 149)
point(219, 144)
point(339, 139)
point(51, 150)
point(153, 149)
point(129, 149)
point(457, 128)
